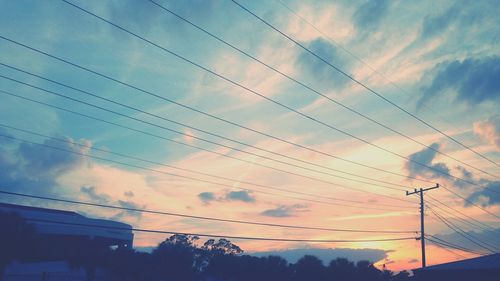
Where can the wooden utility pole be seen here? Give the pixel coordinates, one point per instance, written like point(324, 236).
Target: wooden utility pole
point(422, 232)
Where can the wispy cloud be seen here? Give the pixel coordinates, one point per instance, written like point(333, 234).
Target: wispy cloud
point(285, 211)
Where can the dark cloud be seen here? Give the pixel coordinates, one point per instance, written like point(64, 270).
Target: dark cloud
point(434, 25)
point(33, 168)
point(466, 175)
point(320, 71)
point(207, 197)
point(369, 15)
point(128, 194)
point(425, 157)
point(101, 198)
point(326, 255)
point(44, 160)
point(242, 195)
point(91, 193)
point(490, 236)
point(285, 211)
point(462, 15)
point(129, 205)
point(487, 196)
point(473, 81)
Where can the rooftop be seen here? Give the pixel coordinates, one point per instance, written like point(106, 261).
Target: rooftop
point(480, 263)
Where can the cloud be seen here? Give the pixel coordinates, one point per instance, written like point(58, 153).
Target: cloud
point(326, 255)
point(320, 71)
point(128, 194)
point(425, 157)
point(129, 205)
point(487, 196)
point(489, 130)
point(484, 196)
point(242, 195)
point(369, 15)
point(466, 175)
point(490, 236)
point(461, 15)
point(284, 211)
point(104, 199)
point(92, 194)
point(434, 25)
point(473, 81)
point(207, 197)
point(33, 168)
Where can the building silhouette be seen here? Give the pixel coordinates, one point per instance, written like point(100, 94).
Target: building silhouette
point(63, 231)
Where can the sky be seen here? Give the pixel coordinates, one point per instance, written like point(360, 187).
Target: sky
point(324, 121)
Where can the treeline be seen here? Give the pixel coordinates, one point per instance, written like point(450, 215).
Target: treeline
point(178, 258)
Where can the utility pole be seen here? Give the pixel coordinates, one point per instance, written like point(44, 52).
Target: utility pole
point(422, 233)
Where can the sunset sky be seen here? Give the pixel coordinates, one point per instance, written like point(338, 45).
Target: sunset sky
point(295, 142)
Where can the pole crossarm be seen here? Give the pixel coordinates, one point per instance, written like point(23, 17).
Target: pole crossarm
point(422, 189)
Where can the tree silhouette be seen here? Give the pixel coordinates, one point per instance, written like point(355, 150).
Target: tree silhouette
point(401, 276)
point(275, 268)
point(309, 268)
point(221, 247)
point(177, 258)
point(174, 258)
point(341, 269)
point(128, 265)
point(366, 271)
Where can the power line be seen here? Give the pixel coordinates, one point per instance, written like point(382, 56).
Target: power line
point(309, 88)
point(494, 233)
point(162, 127)
point(266, 97)
point(189, 170)
point(464, 234)
point(223, 236)
point(263, 96)
point(189, 145)
point(198, 217)
point(362, 84)
point(438, 241)
point(464, 221)
point(454, 211)
point(442, 246)
point(183, 176)
point(203, 131)
point(452, 244)
point(226, 146)
point(211, 115)
point(373, 69)
point(469, 202)
point(218, 118)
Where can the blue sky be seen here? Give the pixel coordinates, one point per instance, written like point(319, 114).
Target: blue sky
point(438, 60)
